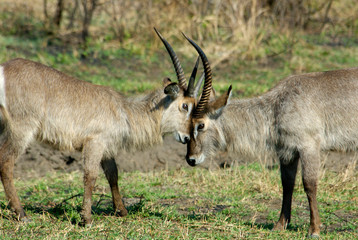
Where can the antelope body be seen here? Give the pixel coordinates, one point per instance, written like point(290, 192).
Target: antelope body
point(40, 103)
point(296, 120)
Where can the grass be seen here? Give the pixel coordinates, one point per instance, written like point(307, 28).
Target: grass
point(241, 202)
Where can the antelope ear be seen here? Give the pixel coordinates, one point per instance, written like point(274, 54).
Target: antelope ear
point(172, 90)
point(166, 81)
point(215, 107)
point(212, 94)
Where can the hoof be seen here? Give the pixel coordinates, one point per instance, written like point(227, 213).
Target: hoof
point(88, 225)
point(85, 224)
point(314, 235)
point(26, 220)
point(122, 213)
point(278, 227)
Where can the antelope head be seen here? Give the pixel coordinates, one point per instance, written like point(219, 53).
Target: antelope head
point(205, 136)
point(182, 97)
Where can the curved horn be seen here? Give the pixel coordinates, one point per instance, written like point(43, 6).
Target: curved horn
point(199, 110)
point(190, 91)
point(178, 68)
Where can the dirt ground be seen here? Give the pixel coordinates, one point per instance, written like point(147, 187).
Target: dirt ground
point(40, 159)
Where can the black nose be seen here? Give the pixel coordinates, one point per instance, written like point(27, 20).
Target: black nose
point(191, 161)
point(186, 140)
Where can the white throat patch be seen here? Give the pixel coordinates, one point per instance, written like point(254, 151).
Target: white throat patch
point(190, 108)
point(200, 159)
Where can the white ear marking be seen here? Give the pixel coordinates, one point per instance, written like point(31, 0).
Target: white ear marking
point(190, 107)
point(2, 87)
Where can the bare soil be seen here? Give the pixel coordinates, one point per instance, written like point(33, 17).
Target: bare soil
point(40, 159)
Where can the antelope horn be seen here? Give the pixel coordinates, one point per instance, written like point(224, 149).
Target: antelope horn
point(190, 91)
point(200, 108)
point(178, 68)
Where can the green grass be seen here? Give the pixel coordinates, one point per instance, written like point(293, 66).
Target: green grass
point(241, 202)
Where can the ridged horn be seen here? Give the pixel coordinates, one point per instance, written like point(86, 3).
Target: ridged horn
point(178, 68)
point(204, 100)
point(190, 91)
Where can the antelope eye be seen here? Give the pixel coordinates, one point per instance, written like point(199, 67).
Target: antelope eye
point(201, 126)
point(185, 106)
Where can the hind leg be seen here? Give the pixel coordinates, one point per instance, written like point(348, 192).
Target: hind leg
point(288, 176)
point(110, 170)
point(8, 155)
point(92, 154)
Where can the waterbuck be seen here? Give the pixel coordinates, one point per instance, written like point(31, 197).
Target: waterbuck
point(296, 120)
point(40, 103)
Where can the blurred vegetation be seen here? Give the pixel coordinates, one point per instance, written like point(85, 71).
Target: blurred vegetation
point(251, 44)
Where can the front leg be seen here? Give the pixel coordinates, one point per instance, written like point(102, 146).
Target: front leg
point(89, 180)
point(92, 154)
point(310, 174)
point(288, 176)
